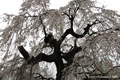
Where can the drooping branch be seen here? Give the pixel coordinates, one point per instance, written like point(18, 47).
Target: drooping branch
point(41, 77)
point(103, 73)
point(118, 66)
point(112, 30)
point(41, 21)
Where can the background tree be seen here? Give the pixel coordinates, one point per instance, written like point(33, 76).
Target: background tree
point(77, 41)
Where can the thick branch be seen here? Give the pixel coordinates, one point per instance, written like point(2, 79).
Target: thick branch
point(43, 57)
point(40, 57)
point(71, 31)
point(24, 53)
point(55, 57)
point(68, 31)
point(70, 55)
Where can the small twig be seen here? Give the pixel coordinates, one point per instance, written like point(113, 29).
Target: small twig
point(67, 15)
point(43, 26)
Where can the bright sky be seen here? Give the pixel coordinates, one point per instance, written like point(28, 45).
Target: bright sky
point(58, 3)
point(12, 6)
point(110, 4)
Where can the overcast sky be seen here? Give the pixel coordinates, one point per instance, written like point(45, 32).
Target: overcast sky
point(12, 6)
